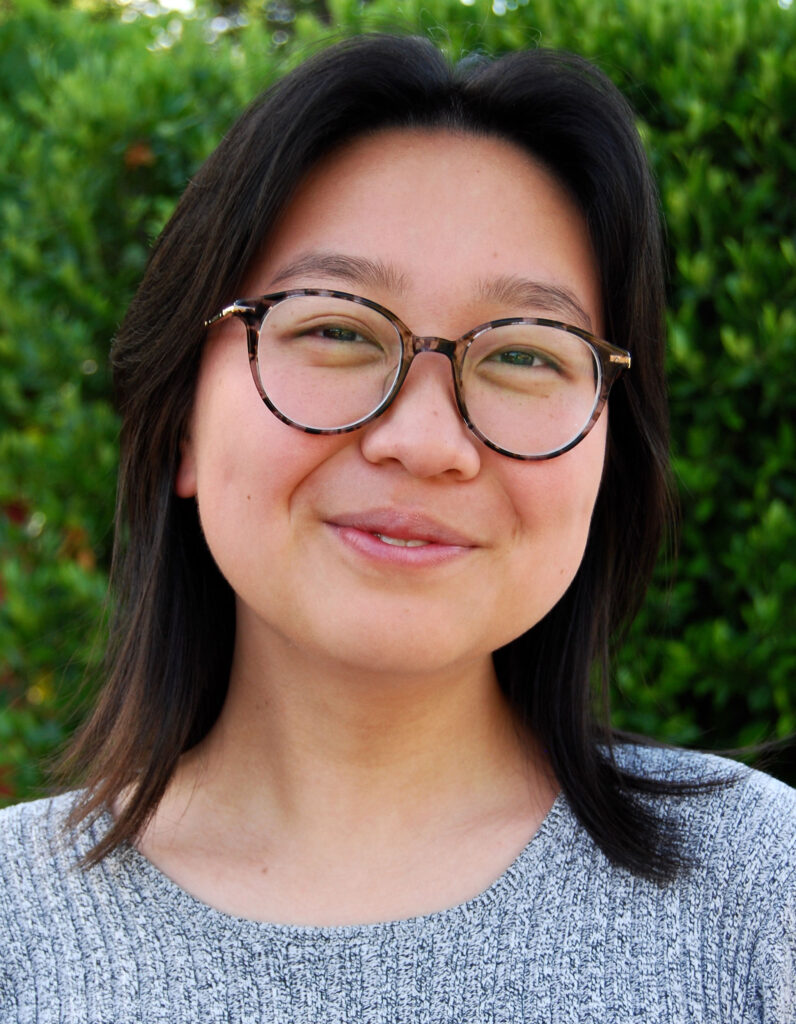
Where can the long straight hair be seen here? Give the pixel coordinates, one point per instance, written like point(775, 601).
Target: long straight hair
point(173, 613)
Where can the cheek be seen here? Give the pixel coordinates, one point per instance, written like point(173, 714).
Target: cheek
point(244, 501)
point(245, 474)
point(248, 469)
point(553, 504)
point(563, 490)
point(233, 436)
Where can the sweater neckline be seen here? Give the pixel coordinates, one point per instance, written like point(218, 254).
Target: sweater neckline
point(175, 901)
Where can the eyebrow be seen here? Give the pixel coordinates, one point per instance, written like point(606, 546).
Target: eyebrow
point(352, 269)
point(549, 298)
point(507, 289)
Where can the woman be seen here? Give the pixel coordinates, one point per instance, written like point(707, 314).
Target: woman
point(346, 766)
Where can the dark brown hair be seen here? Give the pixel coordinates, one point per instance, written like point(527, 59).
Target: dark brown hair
point(173, 619)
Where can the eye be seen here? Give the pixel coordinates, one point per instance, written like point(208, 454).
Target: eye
point(318, 331)
point(328, 340)
point(523, 357)
point(321, 329)
point(343, 334)
point(516, 358)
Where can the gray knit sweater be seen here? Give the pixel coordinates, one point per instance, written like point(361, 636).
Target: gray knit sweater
point(561, 936)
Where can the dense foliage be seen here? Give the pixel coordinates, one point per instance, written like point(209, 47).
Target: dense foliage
point(105, 112)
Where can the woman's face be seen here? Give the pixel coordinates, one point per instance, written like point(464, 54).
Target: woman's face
point(311, 531)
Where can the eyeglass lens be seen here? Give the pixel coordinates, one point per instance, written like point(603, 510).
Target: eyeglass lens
point(327, 363)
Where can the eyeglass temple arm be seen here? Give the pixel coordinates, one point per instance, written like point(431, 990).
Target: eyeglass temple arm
point(227, 311)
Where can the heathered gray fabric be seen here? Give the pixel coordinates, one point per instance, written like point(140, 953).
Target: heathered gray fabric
point(561, 936)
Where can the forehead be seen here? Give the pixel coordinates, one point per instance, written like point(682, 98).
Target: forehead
point(440, 215)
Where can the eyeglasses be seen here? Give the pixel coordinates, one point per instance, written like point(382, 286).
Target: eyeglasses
point(327, 362)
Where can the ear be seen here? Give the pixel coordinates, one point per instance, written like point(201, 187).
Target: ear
point(185, 480)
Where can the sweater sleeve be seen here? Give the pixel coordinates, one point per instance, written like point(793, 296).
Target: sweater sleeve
point(8, 1000)
point(771, 987)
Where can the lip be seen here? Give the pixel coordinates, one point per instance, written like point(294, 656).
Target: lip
point(404, 525)
point(362, 532)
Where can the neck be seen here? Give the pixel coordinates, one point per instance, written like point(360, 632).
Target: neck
point(327, 751)
point(327, 793)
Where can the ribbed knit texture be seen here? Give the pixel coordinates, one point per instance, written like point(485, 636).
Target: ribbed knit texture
point(561, 936)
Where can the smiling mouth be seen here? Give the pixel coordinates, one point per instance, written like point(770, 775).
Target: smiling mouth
point(400, 529)
point(400, 543)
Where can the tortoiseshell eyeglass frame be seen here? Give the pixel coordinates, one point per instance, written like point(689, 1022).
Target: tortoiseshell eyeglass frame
point(611, 360)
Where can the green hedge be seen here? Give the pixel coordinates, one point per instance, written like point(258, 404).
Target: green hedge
point(105, 112)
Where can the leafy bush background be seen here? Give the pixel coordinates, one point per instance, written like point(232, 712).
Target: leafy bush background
point(106, 111)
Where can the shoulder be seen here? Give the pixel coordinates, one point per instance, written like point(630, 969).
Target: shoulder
point(37, 856)
point(738, 834)
point(39, 864)
point(733, 907)
point(41, 854)
point(46, 899)
point(34, 834)
point(730, 814)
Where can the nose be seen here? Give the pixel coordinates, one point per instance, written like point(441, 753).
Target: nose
point(423, 429)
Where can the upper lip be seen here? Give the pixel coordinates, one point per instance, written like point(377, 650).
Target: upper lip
point(403, 524)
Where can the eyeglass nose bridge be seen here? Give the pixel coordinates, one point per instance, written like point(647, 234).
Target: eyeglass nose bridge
point(414, 345)
point(432, 344)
